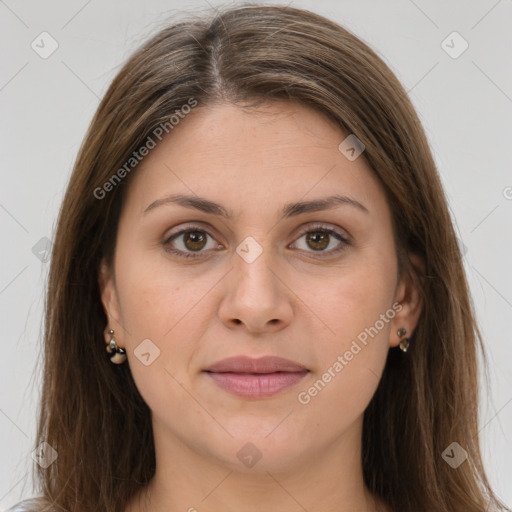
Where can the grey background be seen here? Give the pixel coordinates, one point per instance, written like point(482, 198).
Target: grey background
point(47, 104)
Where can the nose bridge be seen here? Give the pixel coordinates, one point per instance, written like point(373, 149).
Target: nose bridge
point(253, 271)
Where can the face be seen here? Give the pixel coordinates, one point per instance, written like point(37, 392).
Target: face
point(283, 247)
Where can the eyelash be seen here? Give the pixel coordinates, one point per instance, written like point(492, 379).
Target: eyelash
point(198, 254)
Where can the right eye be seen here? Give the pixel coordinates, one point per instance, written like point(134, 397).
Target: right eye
point(190, 242)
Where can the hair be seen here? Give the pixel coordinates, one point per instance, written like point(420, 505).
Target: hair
point(91, 412)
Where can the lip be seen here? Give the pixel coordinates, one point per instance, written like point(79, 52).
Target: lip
point(265, 364)
point(256, 378)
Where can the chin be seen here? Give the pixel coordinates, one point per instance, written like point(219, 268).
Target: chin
point(262, 446)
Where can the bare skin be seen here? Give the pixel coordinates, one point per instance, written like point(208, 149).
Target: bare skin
point(301, 298)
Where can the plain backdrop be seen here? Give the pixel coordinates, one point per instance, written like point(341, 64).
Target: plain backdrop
point(464, 99)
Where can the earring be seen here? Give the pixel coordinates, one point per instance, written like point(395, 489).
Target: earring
point(118, 353)
point(404, 344)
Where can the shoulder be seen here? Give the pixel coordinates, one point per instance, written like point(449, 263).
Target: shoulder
point(30, 505)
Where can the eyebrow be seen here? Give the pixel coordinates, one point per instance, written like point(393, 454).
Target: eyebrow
point(289, 210)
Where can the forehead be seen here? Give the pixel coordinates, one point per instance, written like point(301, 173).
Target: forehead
point(275, 153)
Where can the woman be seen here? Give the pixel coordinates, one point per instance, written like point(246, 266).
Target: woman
point(256, 297)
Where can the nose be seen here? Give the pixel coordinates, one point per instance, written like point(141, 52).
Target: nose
point(256, 298)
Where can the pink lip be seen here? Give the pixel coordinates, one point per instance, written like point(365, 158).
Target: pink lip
point(256, 378)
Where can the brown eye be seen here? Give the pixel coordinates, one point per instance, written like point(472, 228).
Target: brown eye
point(191, 243)
point(322, 240)
point(317, 240)
point(194, 240)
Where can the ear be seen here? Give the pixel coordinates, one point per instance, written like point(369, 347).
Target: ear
point(110, 302)
point(410, 297)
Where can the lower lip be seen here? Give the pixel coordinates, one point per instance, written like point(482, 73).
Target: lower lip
point(256, 385)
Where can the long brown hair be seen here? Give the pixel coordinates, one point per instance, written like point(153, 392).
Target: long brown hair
point(91, 412)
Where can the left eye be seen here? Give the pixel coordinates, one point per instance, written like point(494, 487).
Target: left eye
point(319, 239)
point(189, 243)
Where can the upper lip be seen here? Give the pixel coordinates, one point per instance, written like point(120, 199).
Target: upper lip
point(265, 364)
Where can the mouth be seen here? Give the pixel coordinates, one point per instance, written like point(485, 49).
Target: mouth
point(256, 378)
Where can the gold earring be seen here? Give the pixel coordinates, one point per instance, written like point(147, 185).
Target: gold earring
point(118, 353)
point(404, 344)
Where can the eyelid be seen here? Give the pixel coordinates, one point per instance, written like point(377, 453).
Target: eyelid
point(197, 225)
point(324, 227)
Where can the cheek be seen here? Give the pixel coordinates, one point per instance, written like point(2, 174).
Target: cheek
point(350, 364)
point(153, 296)
point(358, 310)
point(170, 308)
point(356, 298)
